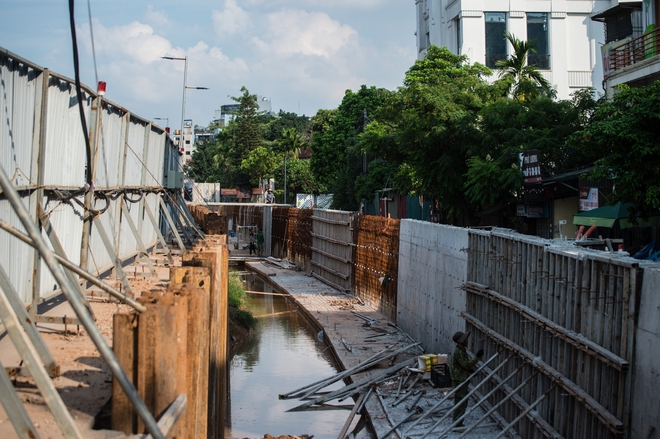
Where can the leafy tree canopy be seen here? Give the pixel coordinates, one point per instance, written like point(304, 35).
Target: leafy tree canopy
point(429, 126)
point(624, 133)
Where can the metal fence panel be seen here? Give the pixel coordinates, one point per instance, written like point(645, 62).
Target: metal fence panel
point(135, 147)
point(110, 159)
point(18, 90)
point(65, 156)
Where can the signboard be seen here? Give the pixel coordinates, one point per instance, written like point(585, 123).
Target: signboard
point(228, 191)
point(531, 166)
point(588, 198)
point(537, 211)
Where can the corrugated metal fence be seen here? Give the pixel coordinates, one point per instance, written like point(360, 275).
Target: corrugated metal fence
point(42, 148)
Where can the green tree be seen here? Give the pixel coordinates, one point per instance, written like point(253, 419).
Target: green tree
point(247, 132)
point(624, 133)
point(259, 163)
point(336, 152)
point(428, 128)
point(521, 80)
point(202, 166)
point(510, 127)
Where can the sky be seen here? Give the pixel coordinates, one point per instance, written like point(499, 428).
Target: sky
point(301, 54)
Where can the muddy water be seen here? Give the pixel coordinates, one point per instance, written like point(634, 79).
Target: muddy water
point(282, 354)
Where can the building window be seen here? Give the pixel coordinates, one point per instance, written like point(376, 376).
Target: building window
point(495, 41)
point(459, 36)
point(187, 152)
point(187, 142)
point(537, 29)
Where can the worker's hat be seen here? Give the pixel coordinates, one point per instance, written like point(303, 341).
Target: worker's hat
point(461, 337)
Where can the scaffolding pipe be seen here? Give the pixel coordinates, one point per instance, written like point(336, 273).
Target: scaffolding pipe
point(439, 403)
point(466, 397)
point(78, 306)
point(485, 398)
point(79, 271)
point(524, 413)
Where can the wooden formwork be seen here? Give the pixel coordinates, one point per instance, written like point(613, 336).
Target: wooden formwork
point(569, 314)
point(376, 262)
point(332, 252)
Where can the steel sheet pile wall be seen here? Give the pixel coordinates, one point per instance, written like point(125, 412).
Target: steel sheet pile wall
point(432, 267)
point(42, 149)
point(570, 315)
point(292, 235)
point(375, 256)
point(332, 255)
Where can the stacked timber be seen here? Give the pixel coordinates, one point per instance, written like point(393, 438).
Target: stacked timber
point(211, 222)
point(178, 346)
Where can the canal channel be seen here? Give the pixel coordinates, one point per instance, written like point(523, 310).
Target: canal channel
point(283, 353)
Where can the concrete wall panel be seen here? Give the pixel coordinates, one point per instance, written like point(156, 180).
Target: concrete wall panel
point(646, 404)
point(432, 267)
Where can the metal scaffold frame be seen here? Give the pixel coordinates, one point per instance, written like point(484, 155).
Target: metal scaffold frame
point(129, 156)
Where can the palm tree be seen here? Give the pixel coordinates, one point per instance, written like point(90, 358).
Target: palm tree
point(521, 80)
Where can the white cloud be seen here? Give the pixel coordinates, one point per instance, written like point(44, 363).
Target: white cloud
point(156, 17)
point(231, 20)
point(135, 40)
point(308, 33)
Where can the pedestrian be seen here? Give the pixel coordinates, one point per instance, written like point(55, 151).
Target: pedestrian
point(460, 371)
point(270, 197)
point(260, 243)
point(251, 245)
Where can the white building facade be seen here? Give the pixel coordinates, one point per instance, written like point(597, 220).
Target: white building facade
point(569, 42)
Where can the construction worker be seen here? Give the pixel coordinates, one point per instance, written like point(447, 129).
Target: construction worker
point(460, 371)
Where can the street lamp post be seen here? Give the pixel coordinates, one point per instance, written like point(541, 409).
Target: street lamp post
point(185, 86)
point(185, 78)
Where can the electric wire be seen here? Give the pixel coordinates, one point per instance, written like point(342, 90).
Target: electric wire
point(79, 94)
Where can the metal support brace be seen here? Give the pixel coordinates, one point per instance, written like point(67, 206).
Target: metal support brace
point(115, 259)
point(183, 219)
point(187, 214)
point(15, 410)
point(79, 308)
point(465, 399)
point(30, 356)
point(447, 396)
point(14, 303)
point(59, 250)
point(140, 244)
point(485, 398)
point(176, 221)
point(168, 217)
point(524, 413)
point(161, 239)
point(79, 271)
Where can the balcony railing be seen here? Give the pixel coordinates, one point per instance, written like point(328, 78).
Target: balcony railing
point(635, 51)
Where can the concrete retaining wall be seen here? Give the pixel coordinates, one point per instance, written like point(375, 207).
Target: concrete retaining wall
point(646, 404)
point(432, 265)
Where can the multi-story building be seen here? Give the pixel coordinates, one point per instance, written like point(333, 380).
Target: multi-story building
point(568, 52)
point(631, 49)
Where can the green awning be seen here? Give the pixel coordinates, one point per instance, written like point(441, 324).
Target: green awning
point(606, 216)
